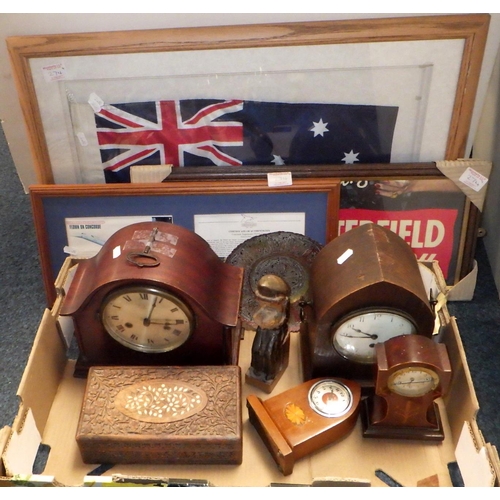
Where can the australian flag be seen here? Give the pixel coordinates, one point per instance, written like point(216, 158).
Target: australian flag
point(203, 132)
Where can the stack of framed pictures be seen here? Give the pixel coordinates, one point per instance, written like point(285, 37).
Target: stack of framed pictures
point(357, 112)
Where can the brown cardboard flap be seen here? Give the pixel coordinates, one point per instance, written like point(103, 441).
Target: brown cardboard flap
point(44, 370)
point(471, 176)
point(25, 439)
point(461, 402)
point(472, 458)
point(5, 433)
point(464, 289)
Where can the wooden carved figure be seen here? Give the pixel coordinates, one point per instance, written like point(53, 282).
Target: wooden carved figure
point(271, 345)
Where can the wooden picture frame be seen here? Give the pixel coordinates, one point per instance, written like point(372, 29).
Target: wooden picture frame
point(52, 204)
point(59, 58)
point(465, 235)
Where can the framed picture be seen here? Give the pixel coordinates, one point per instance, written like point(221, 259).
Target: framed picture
point(434, 216)
point(59, 207)
point(337, 92)
point(430, 214)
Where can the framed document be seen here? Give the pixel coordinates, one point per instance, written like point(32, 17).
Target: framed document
point(54, 205)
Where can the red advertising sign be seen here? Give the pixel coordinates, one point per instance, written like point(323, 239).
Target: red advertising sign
point(429, 232)
point(428, 214)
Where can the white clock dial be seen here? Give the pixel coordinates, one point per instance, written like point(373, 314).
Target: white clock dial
point(413, 381)
point(147, 319)
point(330, 398)
point(355, 336)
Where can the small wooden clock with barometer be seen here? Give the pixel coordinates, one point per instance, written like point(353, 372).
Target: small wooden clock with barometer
point(305, 418)
point(155, 294)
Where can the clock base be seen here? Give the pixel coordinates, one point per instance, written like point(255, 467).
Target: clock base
point(81, 368)
point(270, 434)
point(225, 352)
point(372, 429)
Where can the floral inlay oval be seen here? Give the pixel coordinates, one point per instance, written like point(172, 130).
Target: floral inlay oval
point(161, 401)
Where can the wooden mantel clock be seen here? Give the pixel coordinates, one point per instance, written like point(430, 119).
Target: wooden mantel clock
point(412, 371)
point(155, 294)
point(366, 288)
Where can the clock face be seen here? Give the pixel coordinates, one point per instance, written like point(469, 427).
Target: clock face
point(330, 398)
point(147, 319)
point(413, 381)
point(356, 335)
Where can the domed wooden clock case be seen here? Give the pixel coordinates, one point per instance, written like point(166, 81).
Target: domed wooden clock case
point(366, 287)
point(155, 294)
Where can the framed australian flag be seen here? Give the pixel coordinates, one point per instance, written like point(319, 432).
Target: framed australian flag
point(330, 92)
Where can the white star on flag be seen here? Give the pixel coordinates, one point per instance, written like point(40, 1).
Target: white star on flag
point(319, 128)
point(350, 157)
point(277, 160)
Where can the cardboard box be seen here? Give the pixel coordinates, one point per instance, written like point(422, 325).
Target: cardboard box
point(51, 400)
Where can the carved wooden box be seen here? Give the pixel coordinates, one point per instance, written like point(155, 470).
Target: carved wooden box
point(162, 415)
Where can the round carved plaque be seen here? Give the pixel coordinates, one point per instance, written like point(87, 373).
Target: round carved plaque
point(282, 253)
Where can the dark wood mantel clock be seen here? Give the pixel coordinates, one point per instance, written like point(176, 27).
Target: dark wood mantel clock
point(412, 371)
point(366, 287)
point(155, 294)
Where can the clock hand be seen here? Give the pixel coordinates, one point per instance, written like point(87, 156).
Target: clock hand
point(167, 322)
point(413, 382)
point(371, 337)
point(147, 320)
point(363, 335)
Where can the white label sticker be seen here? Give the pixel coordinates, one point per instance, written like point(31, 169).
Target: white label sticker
point(473, 179)
point(69, 250)
point(345, 256)
point(54, 72)
point(117, 251)
point(95, 102)
point(82, 139)
point(279, 179)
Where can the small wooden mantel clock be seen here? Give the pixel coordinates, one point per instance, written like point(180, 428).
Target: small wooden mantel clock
point(305, 418)
point(412, 371)
point(366, 288)
point(155, 294)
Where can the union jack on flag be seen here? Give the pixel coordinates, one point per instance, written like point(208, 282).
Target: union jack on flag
point(200, 132)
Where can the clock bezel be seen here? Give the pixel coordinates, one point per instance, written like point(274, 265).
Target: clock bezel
point(413, 367)
point(315, 407)
point(137, 288)
point(364, 311)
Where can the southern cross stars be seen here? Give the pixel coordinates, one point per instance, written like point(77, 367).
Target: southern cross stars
point(319, 128)
point(277, 160)
point(350, 157)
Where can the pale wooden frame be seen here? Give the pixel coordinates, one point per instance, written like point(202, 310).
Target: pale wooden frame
point(471, 28)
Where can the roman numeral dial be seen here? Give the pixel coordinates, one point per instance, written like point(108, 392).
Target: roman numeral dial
point(147, 319)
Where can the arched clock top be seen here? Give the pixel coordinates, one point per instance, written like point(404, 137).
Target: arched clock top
point(186, 265)
point(369, 266)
